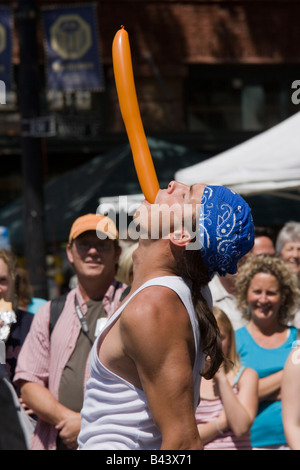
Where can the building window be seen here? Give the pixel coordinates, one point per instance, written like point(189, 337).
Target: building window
point(238, 98)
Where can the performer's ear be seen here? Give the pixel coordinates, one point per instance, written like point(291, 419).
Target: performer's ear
point(180, 237)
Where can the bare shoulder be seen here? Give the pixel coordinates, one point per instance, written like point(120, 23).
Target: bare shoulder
point(155, 316)
point(154, 303)
point(293, 362)
point(291, 377)
point(248, 376)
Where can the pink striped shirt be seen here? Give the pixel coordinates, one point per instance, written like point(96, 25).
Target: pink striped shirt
point(42, 364)
point(209, 410)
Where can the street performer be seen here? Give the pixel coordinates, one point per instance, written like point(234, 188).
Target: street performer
point(147, 362)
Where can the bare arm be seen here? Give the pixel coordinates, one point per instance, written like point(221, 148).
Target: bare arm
point(161, 344)
point(290, 400)
point(211, 430)
point(46, 407)
point(269, 388)
point(239, 410)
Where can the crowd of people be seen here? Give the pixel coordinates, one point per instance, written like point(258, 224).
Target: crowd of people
point(88, 375)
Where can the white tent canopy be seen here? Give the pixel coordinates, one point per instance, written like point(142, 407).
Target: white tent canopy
point(267, 163)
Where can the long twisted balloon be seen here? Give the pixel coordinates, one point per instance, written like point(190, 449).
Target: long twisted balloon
point(124, 78)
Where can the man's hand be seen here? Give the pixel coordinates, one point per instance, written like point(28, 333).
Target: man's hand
point(68, 429)
point(27, 410)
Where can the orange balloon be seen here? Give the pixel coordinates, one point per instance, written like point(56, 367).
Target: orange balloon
point(131, 115)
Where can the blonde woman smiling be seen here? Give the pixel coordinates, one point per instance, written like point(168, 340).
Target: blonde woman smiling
point(267, 294)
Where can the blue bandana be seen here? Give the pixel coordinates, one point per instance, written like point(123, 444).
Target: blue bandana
point(226, 231)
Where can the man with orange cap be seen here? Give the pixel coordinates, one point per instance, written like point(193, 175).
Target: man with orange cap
point(52, 367)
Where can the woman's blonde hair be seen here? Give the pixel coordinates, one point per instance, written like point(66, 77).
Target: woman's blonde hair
point(231, 360)
point(24, 289)
point(9, 258)
point(124, 272)
point(287, 281)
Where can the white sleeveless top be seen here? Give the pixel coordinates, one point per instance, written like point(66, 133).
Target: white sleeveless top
point(115, 413)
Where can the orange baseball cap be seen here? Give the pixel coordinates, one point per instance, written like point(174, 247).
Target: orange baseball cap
point(97, 222)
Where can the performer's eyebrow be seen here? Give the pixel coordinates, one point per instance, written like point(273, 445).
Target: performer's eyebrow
point(191, 189)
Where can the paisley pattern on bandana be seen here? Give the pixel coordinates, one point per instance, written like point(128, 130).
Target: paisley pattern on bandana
point(226, 231)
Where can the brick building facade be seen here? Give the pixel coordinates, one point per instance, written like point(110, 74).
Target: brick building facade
point(209, 74)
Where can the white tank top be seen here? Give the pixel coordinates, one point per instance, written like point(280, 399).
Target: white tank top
point(115, 413)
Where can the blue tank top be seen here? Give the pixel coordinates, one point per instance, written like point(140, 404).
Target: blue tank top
point(267, 428)
point(115, 413)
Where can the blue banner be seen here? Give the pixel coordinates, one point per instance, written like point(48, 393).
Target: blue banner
point(72, 47)
point(5, 47)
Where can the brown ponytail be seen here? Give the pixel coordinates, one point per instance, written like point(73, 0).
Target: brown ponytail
point(190, 266)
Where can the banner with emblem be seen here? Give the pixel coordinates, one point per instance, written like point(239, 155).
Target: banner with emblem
point(5, 47)
point(72, 48)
